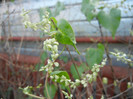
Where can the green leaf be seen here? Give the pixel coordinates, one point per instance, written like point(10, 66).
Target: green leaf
point(111, 20)
point(66, 29)
point(63, 39)
point(53, 24)
point(43, 57)
point(87, 8)
point(65, 87)
point(60, 73)
point(66, 34)
point(51, 90)
point(80, 69)
point(59, 7)
point(12, 0)
point(94, 55)
point(54, 20)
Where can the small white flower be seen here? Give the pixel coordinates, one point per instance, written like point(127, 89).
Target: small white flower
point(105, 80)
point(85, 84)
point(63, 77)
point(49, 46)
point(88, 75)
point(49, 61)
point(66, 83)
point(56, 43)
point(56, 64)
point(94, 74)
point(46, 69)
point(56, 55)
point(124, 55)
point(61, 80)
point(71, 95)
point(128, 60)
point(51, 77)
point(69, 81)
point(45, 31)
point(82, 82)
point(56, 77)
point(97, 70)
point(55, 48)
point(77, 81)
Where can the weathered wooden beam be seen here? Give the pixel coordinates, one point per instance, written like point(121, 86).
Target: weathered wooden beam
point(118, 39)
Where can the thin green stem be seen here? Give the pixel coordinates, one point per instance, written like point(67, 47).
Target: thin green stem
point(46, 85)
point(54, 24)
point(62, 50)
point(73, 62)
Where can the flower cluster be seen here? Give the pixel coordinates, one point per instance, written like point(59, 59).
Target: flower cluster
point(85, 78)
point(122, 57)
point(67, 82)
point(42, 25)
point(67, 95)
point(121, 4)
point(51, 45)
point(92, 77)
point(27, 90)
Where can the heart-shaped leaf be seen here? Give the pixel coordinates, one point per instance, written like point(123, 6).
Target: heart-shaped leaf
point(66, 29)
point(94, 55)
point(51, 91)
point(43, 57)
point(87, 8)
point(63, 39)
point(111, 20)
point(65, 34)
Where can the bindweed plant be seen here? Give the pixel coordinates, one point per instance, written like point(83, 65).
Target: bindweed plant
point(61, 32)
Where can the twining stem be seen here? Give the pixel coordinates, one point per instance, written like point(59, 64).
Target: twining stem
point(62, 50)
point(129, 53)
point(61, 94)
point(73, 61)
point(107, 54)
point(106, 49)
point(46, 85)
point(120, 93)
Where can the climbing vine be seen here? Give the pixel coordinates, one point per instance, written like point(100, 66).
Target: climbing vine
point(61, 32)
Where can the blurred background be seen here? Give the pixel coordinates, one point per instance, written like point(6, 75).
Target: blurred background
point(21, 48)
